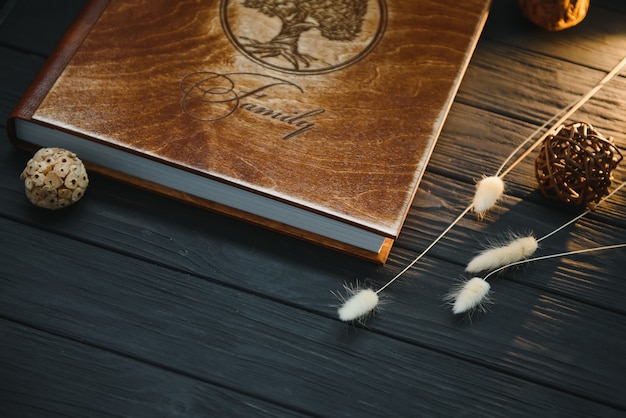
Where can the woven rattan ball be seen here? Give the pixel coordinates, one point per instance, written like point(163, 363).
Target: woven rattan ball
point(575, 164)
point(554, 15)
point(54, 178)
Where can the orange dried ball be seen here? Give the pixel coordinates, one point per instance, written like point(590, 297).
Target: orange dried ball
point(54, 178)
point(575, 163)
point(554, 15)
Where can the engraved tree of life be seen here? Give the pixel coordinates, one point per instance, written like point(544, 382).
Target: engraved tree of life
point(336, 20)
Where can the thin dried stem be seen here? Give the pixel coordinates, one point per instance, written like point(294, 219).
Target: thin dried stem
point(581, 101)
point(547, 123)
point(432, 244)
point(582, 214)
point(546, 257)
point(560, 117)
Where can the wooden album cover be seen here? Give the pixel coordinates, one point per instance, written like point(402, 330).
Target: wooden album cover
point(329, 107)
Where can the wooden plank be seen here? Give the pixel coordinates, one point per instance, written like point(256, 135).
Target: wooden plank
point(264, 348)
point(46, 375)
point(5, 9)
point(18, 69)
point(552, 340)
point(482, 154)
point(448, 146)
point(140, 231)
point(597, 42)
point(226, 251)
point(517, 216)
point(537, 87)
point(465, 128)
point(120, 217)
point(545, 71)
point(610, 5)
point(37, 26)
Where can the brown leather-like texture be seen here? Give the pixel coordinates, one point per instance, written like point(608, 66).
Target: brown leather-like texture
point(330, 106)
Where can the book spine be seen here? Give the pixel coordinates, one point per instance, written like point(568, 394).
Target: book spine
point(54, 66)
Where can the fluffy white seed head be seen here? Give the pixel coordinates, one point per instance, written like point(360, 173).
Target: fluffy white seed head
point(488, 192)
point(359, 305)
point(469, 296)
point(491, 258)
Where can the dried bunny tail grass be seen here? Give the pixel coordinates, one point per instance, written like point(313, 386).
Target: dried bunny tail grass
point(491, 258)
point(360, 302)
point(488, 191)
point(546, 257)
point(470, 295)
point(521, 248)
point(357, 304)
point(474, 294)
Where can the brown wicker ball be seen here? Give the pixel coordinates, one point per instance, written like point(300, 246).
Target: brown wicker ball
point(554, 15)
point(574, 164)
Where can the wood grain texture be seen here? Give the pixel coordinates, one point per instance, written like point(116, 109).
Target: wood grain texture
point(349, 141)
point(27, 20)
point(222, 260)
point(147, 306)
point(597, 42)
point(250, 344)
point(73, 378)
point(17, 71)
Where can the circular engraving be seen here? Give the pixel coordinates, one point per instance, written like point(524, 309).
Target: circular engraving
point(304, 36)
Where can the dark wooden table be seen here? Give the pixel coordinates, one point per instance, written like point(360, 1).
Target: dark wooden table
point(129, 304)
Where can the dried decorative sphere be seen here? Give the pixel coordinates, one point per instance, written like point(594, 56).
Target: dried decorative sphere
point(554, 15)
point(575, 164)
point(54, 178)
